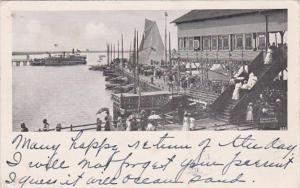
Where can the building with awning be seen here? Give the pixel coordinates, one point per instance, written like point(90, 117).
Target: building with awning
point(230, 29)
point(229, 36)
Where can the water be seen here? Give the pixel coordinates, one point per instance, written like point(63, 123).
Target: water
point(67, 95)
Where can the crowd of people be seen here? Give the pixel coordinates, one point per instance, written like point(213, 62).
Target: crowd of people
point(269, 110)
point(275, 52)
point(139, 122)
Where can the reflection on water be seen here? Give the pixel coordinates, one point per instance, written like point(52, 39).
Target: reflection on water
point(67, 95)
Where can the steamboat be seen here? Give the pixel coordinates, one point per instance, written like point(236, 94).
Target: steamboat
point(60, 60)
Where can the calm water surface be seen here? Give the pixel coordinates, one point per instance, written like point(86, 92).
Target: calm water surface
point(67, 95)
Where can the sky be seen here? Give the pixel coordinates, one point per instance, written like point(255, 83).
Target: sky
point(40, 30)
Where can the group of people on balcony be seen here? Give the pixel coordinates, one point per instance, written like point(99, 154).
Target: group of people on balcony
point(274, 52)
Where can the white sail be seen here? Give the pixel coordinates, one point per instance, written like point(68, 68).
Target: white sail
point(151, 48)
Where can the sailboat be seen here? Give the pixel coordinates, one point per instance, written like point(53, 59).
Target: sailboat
point(151, 49)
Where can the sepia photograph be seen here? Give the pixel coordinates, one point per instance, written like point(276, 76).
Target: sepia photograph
point(149, 70)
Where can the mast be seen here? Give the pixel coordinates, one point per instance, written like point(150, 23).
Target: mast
point(138, 74)
point(107, 55)
point(134, 65)
point(170, 63)
point(122, 55)
point(118, 52)
point(114, 52)
point(111, 51)
point(166, 15)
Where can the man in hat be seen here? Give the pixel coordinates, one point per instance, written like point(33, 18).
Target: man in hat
point(46, 125)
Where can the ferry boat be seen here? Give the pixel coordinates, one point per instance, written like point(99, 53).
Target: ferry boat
point(61, 60)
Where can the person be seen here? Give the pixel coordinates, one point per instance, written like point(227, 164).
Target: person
point(236, 91)
point(99, 125)
point(58, 127)
point(24, 128)
point(252, 80)
point(249, 114)
point(279, 113)
point(192, 122)
point(128, 123)
point(186, 122)
point(151, 126)
point(106, 124)
point(143, 122)
point(180, 113)
point(46, 125)
point(245, 85)
point(120, 125)
point(134, 124)
point(269, 56)
point(108, 121)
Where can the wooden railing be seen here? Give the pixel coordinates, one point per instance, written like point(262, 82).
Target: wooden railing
point(232, 55)
point(74, 127)
point(219, 103)
point(267, 77)
point(198, 94)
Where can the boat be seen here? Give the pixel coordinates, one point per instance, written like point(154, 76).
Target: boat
point(62, 60)
point(119, 79)
point(110, 77)
point(98, 67)
point(123, 89)
point(111, 86)
point(110, 73)
point(38, 62)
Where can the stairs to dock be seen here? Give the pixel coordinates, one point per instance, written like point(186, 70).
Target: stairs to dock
point(233, 111)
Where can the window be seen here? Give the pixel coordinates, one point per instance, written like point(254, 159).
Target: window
point(206, 43)
point(223, 42)
point(238, 45)
point(214, 42)
point(248, 41)
point(220, 42)
point(197, 43)
point(191, 44)
point(261, 41)
point(186, 43)
point(181, 44)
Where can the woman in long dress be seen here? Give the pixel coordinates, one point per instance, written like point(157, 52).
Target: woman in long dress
point(252, 80)
point(186, 122)
point(192, 123)
point(269, 58)
point(249, 116)
point(236, 91)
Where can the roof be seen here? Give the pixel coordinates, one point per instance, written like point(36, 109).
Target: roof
point(201, 15)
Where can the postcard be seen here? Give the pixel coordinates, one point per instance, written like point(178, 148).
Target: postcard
point(149, 94)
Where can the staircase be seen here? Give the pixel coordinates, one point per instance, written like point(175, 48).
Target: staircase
point(233, 111)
